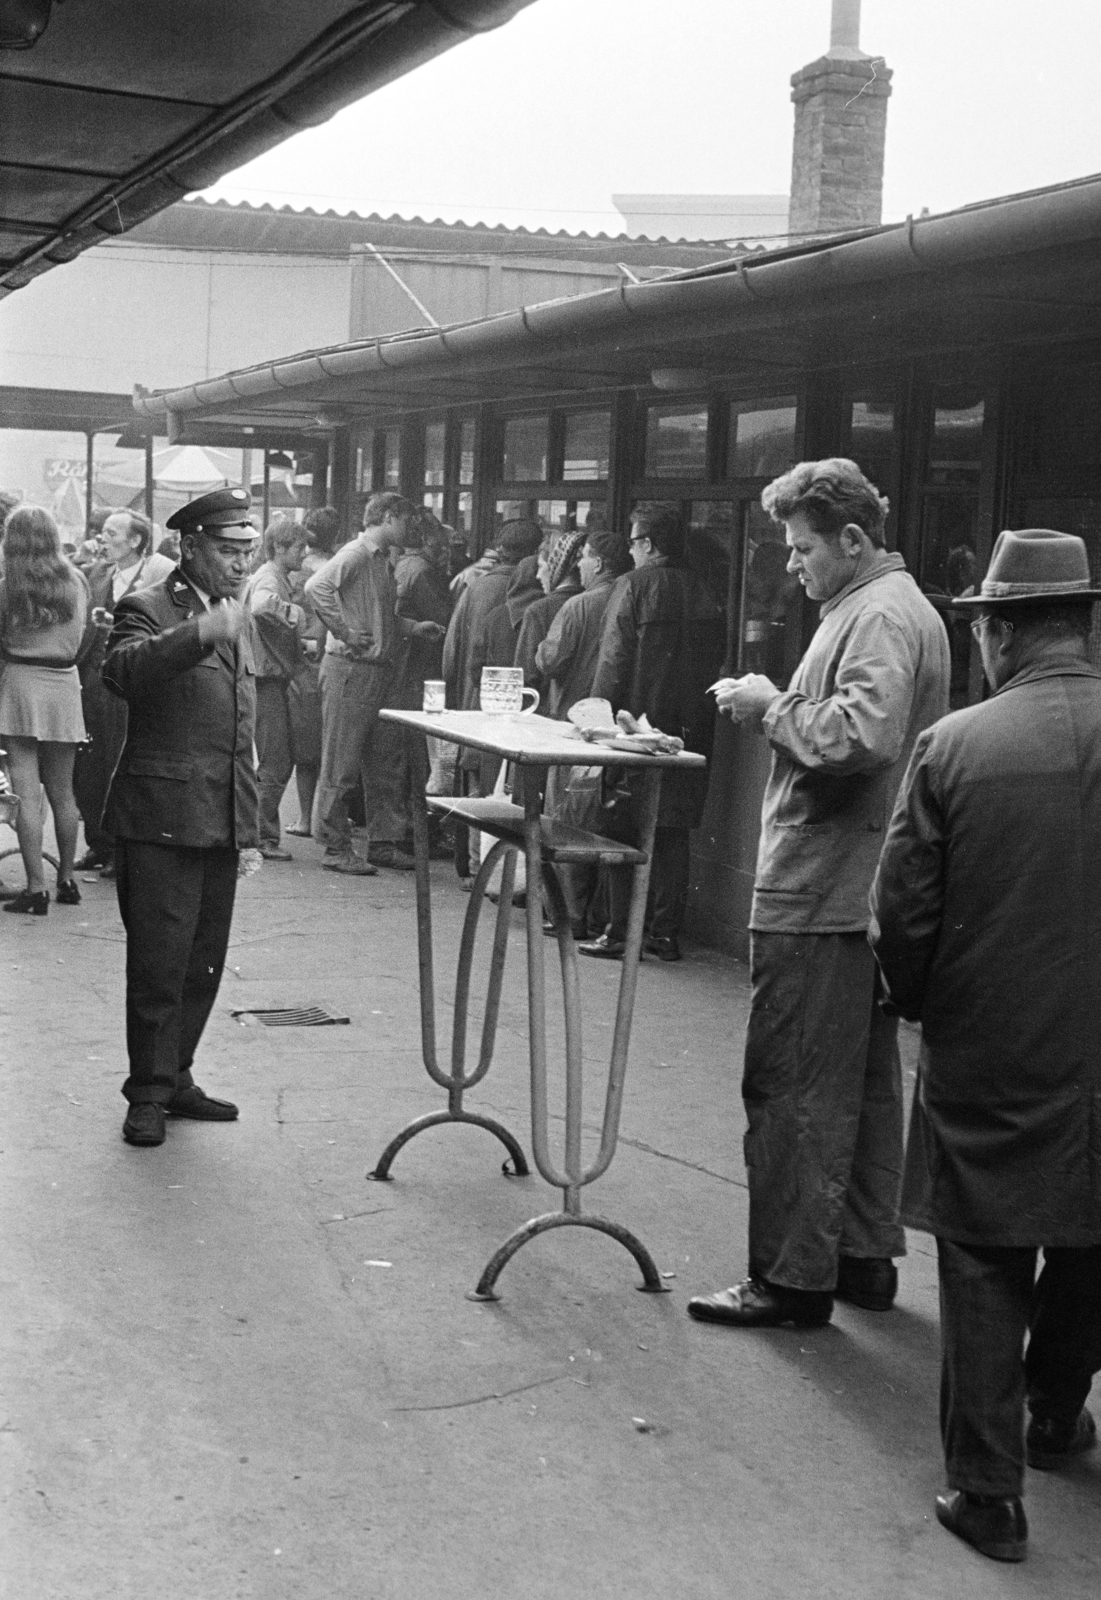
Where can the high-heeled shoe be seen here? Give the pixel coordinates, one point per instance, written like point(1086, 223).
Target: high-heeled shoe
point(67, 892)
point(37, 904)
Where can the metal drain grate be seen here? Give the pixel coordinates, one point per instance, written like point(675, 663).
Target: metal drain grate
point(290, 1016)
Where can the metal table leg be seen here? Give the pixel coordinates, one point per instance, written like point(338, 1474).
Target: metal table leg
point(457, 1081)
point(572, 1178)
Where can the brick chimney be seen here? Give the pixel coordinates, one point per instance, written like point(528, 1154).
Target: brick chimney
point(840, 133)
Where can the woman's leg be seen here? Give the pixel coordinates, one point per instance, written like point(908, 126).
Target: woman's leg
point(27, 783)
point(56, 762)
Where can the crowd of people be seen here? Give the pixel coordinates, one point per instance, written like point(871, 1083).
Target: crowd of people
point(942, 868)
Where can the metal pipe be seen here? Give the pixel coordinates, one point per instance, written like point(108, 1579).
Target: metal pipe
point(621, 1039)
point(725, 296)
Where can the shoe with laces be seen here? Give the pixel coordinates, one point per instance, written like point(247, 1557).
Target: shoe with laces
point(390, 855)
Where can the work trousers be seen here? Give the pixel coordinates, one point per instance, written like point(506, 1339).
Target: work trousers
point(352, 694)
point(274, 760)
point(823, 1096)
point(177, 906)
point(990, 1297)
point(388, 770)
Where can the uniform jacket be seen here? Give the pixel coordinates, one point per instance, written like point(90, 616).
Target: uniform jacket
point(186, 775)
point(875, 675)
point(661, 645)
point(987, 925)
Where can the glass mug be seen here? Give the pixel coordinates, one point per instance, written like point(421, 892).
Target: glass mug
point(503, 691)
point(435, 695)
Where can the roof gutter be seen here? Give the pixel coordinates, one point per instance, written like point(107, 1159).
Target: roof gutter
point(378, 42)
point(1052, 218)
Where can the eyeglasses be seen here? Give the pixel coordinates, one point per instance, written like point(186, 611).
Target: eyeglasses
point(639, 538)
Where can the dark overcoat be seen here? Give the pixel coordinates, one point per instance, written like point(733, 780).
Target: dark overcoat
point(661, 646)
point(987, 925)
point(186, 776)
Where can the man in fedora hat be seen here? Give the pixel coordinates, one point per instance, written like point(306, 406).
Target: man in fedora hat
point(182, 802)
point(987, 928)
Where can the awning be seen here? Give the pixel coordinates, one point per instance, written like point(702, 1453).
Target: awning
point(1013, 270)
point(123, 106)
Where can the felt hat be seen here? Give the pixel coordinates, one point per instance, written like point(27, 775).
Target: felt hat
point(223, 511)
point(1032, 565)
point(562, 556)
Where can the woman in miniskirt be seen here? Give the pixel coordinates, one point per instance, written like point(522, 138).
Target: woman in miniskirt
point(44, 605)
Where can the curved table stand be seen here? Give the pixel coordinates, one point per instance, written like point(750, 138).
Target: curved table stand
point(544, 843)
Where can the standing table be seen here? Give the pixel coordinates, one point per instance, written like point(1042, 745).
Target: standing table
point(532, 744)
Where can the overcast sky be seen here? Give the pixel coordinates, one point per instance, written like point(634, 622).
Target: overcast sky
point(542, 121)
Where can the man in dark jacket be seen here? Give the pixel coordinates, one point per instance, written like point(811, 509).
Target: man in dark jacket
point(561, 582)
point(463, 650)
point(987, 926)
point(182, 802)
point(661, 646)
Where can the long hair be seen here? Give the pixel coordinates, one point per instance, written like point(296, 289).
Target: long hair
point(40, 584)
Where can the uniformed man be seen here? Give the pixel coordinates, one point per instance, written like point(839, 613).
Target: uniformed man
point(182, 802)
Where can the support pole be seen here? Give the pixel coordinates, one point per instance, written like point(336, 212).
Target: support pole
point(89, 469)
point(149, 476)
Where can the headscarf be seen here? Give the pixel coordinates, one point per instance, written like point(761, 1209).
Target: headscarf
point(563, 556)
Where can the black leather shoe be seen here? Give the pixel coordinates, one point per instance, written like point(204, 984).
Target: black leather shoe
point(144, 1125)
point(604, 948)
point(756, 1304)
point(67, 892)
point(192, 1102)
point(996, 1528)
point(666, 949)
point(867, 1281)
point(91, 859)
point(1050, 1442)
point(36, 903)
point(390, 855)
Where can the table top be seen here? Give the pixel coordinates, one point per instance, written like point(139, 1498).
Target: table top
point(531, 741)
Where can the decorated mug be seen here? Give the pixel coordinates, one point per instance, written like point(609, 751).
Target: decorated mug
point(503, 691)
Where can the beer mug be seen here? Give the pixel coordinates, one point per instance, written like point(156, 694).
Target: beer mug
point(503, 691)
point(435, 695)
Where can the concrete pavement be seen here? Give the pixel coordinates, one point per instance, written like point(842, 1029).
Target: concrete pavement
point(232, 1367)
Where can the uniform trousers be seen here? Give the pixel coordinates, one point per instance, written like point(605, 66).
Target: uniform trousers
point(177, 906)
point(274, 760)
point(990, 1297)
point(823, 1096)
point(352, 694)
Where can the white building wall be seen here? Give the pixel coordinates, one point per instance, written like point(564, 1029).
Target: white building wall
point(131, 313)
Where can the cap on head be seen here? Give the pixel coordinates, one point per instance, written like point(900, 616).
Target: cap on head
point(1032, 565)
point(224, 512)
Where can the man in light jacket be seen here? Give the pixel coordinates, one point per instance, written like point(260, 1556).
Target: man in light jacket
point(987, 925)
point(822, 1084)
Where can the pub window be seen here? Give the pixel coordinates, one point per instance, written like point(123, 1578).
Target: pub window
point(948, 566)
point(466, 451)
point(435, 436)
point(525, 452)
point(391, 459)
point(955, 455)
point(365, 463)
point(433, 501)
point(771, 613)
point(587, 445)
point(676, 441)
point(872, 440)
point(761, 438)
